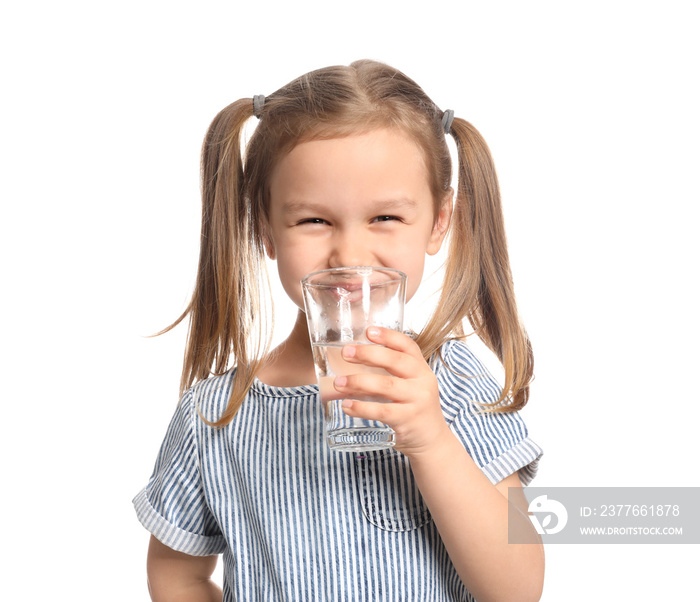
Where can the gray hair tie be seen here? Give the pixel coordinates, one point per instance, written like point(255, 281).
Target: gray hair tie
point(258, 104)
point(447, 118)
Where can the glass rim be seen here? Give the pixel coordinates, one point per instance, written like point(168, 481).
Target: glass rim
point(401, 275)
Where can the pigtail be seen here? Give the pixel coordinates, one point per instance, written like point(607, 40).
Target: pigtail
point(478, 282)
point(225, 307)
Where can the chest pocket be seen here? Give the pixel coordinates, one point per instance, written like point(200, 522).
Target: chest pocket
point(390, 498)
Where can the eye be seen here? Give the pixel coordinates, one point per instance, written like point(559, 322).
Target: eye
point(311, 220)
point(387, 218)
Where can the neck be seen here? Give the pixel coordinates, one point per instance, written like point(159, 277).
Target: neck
point(291, 364)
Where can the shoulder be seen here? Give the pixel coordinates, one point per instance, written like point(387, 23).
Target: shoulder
point(209, 397)
point(472, 356)
point(463, 376)
point(497, 441)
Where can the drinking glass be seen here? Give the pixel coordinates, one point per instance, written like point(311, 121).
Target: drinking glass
point(341, 303)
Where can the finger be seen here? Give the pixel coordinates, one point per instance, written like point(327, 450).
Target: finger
point(382, 386)
point(393, 339)
point(387, 413)
point(394, 362)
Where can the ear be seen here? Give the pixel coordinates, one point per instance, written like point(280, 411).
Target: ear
point(441, 225)
point(269, 248)
point(268, 243)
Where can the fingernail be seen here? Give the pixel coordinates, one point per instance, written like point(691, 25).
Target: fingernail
point(372, 331)
point(340, 381)
point(349, 351)
point(347, 403)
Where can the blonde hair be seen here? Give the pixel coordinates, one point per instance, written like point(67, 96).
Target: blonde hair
point(331, 103)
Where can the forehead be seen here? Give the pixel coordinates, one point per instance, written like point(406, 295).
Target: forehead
point(382, 163)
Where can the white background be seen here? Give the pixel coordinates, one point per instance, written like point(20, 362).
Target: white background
point(590, 110)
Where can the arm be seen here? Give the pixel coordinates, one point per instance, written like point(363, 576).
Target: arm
point(472, 517)
point(470, 513)
point(174, 576)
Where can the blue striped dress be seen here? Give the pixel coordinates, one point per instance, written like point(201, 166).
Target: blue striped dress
point(296, 521)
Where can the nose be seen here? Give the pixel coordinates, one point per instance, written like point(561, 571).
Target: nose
point(350, 247)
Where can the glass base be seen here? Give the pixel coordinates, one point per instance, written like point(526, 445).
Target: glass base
point(361, 439)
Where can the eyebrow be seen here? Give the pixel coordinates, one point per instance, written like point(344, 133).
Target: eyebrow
point(296, 206)
point(384, 205)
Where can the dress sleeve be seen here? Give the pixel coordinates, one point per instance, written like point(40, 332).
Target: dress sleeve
point(173, 506)
point(497, 441)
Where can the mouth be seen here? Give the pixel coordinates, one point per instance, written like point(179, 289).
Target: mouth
point(350, 287)
point(349, 292)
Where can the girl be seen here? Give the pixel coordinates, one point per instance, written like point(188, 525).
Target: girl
point(347, 166)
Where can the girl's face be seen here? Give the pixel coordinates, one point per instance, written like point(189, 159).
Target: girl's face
point(360, 200)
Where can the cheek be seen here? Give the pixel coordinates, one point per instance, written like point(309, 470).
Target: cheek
point(290, 276)
point(414, 271)
point(412, 285)
point(408, 255)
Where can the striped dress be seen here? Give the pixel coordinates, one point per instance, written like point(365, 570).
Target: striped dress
point(296, 521)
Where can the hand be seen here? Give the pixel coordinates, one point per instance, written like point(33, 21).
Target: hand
point(415, 414)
